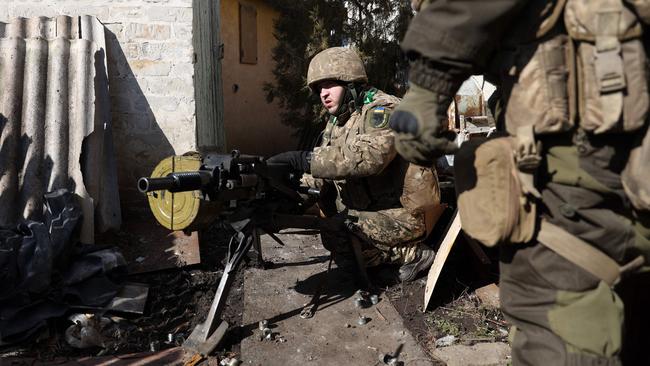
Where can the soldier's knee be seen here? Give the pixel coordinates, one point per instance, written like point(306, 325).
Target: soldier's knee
point(590, 322)
point(534, 345)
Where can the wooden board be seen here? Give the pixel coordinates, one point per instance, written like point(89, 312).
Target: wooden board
point(441, 257)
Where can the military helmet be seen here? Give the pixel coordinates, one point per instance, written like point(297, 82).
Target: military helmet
point(336, 63)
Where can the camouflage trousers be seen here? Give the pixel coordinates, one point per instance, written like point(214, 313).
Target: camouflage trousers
point(561, 314)
point(386, 236)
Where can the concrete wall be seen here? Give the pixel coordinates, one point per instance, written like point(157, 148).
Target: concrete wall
point(149, 48)
point(252, 125)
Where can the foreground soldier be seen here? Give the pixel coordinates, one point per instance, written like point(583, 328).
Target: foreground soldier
point(573, 78)
point(388, 200)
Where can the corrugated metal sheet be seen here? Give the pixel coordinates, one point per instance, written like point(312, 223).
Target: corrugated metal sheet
point(55, 120)
point(469, 99)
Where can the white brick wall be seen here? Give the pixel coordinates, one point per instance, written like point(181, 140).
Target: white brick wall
point(151, 74)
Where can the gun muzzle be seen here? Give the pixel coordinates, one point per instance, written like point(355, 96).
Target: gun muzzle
point(175, 182)
point(154, 184)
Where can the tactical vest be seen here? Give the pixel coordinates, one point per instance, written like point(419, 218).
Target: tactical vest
point(584, 65)
point(568, 64)
point(577, 63)
point(400, 184)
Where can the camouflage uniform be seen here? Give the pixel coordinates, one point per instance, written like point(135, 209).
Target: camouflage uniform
point(371, 184)
point(561, 314)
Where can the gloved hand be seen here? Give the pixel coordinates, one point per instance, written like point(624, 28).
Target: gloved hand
point(298, 160)
point(420, 121)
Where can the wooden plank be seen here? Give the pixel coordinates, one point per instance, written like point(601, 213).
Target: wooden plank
point(208, 88)
point(441, 257)
point(172, 356)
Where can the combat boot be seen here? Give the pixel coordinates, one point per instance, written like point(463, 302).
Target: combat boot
point(423, 260)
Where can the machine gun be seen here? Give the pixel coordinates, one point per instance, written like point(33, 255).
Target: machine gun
point(245, 192)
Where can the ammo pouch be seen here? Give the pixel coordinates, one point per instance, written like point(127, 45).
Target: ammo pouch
point(535, 85)
point(594, 73)
point(610, 59)
point(494, 209)
point(612, 79)
point(421, 194)
point(492, 206)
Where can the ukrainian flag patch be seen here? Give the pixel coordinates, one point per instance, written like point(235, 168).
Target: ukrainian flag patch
point(378, 117)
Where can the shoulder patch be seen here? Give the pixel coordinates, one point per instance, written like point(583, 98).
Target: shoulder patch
point(377, 117)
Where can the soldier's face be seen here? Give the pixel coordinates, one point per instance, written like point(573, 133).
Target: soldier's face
point(331, 95)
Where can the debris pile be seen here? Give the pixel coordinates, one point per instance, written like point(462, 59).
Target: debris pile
point(46, 272)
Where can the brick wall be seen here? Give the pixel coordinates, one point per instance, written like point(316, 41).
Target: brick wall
point(149, 48)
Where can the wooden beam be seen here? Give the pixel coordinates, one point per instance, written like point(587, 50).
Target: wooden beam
point(208, 89)
point(441, 257)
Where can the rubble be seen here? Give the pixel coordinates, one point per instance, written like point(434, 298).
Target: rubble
point(480, 354)
point(390, 360)
point(362, 320)
point(263, 324)
point(85, 332)
point(445, 341)
point(48, 272)
point(230, 362)
point(489, 296)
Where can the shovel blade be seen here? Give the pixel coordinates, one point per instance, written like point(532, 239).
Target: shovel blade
point(200, 342)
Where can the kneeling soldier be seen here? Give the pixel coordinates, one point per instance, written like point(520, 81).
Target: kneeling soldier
point(390, 201)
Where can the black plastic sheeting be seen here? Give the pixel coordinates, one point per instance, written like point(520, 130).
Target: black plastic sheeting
point(44, 270)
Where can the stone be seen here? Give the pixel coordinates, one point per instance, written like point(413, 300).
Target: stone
point(445, 341)
point(480, 354)
point(489, 296)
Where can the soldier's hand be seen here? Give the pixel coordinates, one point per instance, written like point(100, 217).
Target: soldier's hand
point(298, 160)
point(421, 125)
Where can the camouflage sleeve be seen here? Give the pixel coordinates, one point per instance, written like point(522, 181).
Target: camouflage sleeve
point(366, 155)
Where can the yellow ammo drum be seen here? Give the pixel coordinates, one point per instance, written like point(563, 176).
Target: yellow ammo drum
point(180, 210)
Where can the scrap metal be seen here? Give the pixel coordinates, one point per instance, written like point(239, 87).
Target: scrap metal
point(55, 125)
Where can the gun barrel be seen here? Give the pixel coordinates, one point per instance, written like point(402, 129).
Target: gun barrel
point(175, 182)
point(154, 184)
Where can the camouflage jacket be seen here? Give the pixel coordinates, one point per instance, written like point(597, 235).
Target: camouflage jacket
point(359, 157)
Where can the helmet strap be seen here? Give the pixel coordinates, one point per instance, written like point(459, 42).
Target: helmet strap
point(352, 101)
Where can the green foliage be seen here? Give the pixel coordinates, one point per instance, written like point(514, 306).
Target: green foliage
point(304, 28)
point(447, 327)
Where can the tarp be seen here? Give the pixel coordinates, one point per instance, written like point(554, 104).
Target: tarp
point(44, 270)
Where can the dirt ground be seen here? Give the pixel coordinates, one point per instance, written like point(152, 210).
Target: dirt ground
point(179, 298)
point(454, 309)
